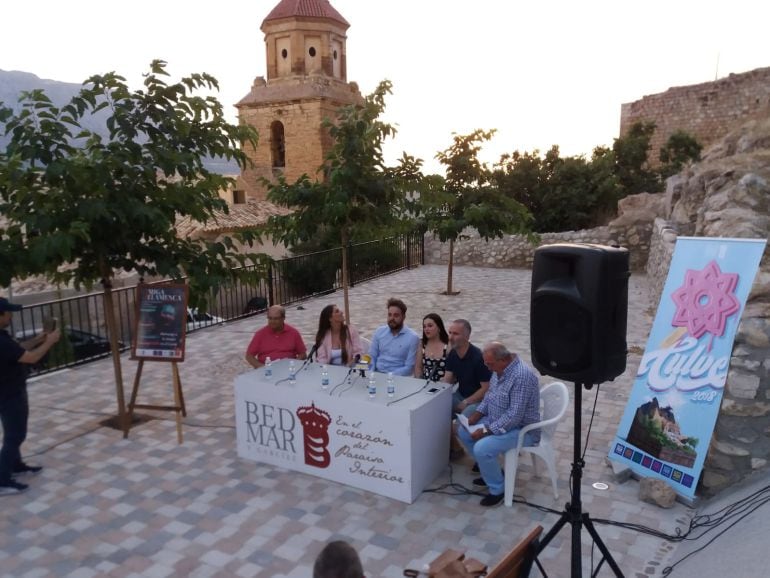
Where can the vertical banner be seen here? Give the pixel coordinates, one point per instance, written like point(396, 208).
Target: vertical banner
point(673, 406)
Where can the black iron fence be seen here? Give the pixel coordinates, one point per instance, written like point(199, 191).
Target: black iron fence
point(286, 281)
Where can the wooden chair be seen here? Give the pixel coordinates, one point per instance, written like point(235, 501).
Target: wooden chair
point(518, 562)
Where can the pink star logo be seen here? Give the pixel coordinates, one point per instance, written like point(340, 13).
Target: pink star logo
point(705, 301)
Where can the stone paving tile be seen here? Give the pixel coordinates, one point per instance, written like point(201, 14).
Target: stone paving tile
point(147, 506)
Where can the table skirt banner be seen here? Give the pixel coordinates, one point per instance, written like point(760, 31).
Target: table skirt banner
point(667, 425)
point(344, 436)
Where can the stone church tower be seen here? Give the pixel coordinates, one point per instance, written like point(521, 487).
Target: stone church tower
point(306, 82)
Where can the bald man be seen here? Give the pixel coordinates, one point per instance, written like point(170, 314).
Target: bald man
point(276, 340)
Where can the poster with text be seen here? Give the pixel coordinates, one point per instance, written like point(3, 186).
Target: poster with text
point(666, 428)
point(161, 317)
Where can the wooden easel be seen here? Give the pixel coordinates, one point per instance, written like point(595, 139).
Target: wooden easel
point(178, 406)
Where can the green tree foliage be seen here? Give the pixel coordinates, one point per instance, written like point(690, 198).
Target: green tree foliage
point(631, 166)
point(562, 193)
point(357, 195)
point(468, 197)
point(571, 193)
point(79, 207)
point(680, 148)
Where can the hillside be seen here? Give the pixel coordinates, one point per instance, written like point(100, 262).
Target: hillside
point(13, 83)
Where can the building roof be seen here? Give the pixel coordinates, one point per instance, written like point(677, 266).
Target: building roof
point(305, 9)
point(239, 217)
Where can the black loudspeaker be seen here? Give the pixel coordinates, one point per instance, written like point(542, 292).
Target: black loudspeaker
point(578, 312)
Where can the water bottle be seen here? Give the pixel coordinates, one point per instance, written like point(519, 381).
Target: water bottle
point(324, 377)
point(372, 386)
point(391, 385)
point(268, 368)
point(292, 372)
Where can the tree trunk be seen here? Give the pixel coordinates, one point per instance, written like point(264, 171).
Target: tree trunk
point(345, 279)
point(112, 332)
point(449, 268)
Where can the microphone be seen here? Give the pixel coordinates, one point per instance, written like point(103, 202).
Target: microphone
point(361, 363)
point(313, 351)
point(309, 358)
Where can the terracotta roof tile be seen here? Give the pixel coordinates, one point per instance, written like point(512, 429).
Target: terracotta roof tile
point(305, 8)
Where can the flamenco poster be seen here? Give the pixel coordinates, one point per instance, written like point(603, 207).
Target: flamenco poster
point(667, 425)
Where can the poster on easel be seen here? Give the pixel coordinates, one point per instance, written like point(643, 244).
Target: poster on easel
point(673, 406)
point(161, 321)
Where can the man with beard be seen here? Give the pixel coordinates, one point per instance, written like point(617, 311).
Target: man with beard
point(394, 345)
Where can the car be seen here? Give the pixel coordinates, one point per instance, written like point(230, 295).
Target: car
point(197, 319)
point(85, 345)
point(255, 305)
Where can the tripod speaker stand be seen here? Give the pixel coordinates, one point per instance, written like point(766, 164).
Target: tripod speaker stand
point(573, 510)
point(578, 319)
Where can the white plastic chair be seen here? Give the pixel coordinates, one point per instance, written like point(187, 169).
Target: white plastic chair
point(555, 398)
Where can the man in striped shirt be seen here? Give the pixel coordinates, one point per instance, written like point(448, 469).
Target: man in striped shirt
point(512, 402)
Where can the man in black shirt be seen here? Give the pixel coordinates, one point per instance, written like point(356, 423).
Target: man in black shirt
point(14, 407)
point(465, 367)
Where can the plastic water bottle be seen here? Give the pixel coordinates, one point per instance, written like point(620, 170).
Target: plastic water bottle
point(372, 386)
point(391, 385)
point(324, 377)
point(292, 372)
point(268, 368)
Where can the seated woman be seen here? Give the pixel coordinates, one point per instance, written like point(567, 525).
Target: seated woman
point(338, 343)
point(431, 364)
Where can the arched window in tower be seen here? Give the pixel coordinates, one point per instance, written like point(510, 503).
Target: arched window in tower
point(277, 145)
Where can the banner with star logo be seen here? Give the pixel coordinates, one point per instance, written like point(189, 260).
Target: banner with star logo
point(673, 406)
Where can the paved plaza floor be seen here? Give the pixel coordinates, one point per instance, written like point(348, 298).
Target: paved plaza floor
point(147, 506)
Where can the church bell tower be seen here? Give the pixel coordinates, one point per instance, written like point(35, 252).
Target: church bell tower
point(306, 81)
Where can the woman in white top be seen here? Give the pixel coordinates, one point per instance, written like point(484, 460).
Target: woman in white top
point(338, 343)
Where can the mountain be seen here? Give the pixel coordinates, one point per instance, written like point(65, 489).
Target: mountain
point(14, 82)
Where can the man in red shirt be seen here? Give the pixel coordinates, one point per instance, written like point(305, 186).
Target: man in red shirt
point(276, 340)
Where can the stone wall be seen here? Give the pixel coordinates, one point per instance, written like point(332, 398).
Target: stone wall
point(632, 229)
point(707, 111)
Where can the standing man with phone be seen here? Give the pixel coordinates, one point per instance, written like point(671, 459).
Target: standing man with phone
point(14, 405)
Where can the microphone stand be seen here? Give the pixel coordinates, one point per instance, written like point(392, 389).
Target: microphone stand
point(309, 358)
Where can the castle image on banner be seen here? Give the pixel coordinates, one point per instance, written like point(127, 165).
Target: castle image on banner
point(655, 431)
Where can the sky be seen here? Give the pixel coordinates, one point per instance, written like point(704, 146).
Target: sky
point(540, 73)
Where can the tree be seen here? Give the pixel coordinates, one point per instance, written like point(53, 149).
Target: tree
point(78, 208)
point(357, 195)
point(679, 149)
point(467, 197)
point(631, 160)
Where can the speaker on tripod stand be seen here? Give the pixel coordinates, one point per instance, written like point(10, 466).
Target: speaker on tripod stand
point(578, 316)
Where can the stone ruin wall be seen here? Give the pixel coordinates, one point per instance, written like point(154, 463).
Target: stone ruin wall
point(515, 251)
point(707, 111)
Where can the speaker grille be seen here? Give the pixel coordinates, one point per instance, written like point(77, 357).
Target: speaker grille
point(563, 334)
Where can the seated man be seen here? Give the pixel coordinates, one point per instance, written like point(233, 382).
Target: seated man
point(338, 559)
point(394, 345)
point(276, 340)
point(512, 402)
point(465, 367)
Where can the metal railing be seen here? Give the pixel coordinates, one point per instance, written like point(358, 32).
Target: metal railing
point(286, 281)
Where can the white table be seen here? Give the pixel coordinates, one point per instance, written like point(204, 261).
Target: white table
point(390, 446)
